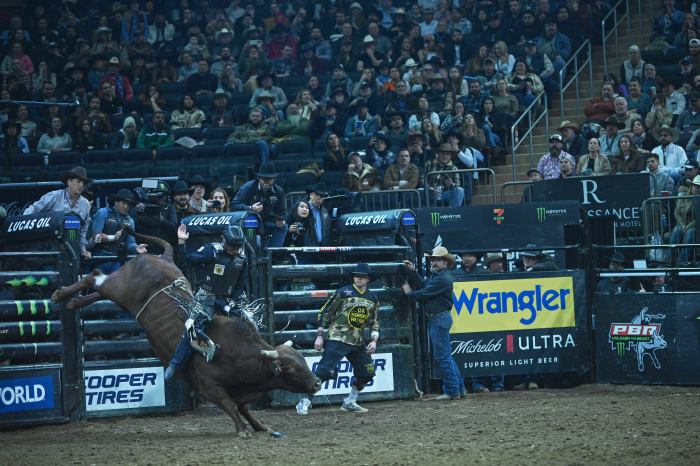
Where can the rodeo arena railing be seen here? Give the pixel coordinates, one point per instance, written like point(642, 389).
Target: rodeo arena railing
point(436, 195)
point(60, 365)
point(528, 120)
point(580, 60)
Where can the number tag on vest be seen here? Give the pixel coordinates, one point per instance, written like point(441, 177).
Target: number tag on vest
point(219, 269)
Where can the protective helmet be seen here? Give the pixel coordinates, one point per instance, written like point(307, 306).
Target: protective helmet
point(162, 189)
point(233, 236)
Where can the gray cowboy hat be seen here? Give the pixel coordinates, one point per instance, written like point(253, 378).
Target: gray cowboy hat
point(76, 173)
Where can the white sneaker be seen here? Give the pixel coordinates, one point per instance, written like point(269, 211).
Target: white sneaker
point(352, 407)
point(303, 406)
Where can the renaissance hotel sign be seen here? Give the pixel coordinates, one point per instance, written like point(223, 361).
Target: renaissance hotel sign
point(531, 324)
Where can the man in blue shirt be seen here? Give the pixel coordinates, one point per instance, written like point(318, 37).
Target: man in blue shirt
point(107, 237)
point(319, 214)
point(436, 294)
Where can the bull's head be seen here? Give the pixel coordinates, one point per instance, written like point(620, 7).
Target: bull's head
point(291, 370)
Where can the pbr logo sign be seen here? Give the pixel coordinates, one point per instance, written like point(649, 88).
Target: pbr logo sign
point(641, 337)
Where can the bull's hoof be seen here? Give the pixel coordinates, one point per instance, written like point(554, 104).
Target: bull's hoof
point(277, 434)
point(244, 435)
point(57, 296)
point(72, 304)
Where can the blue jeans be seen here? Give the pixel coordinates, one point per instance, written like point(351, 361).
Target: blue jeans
point(439, 333)
point(678, 237)
point(496, 382)
point(454, 197)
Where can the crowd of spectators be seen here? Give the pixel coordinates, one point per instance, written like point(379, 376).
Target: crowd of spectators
point(381, 76)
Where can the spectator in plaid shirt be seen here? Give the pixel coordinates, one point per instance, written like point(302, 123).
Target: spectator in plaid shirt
point(446, 188)
point(548, 165)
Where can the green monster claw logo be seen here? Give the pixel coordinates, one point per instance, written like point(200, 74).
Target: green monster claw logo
point(33, 309)
point(435, 218)
point(620, 348)
point(72, 234)
point(28, 281)
point(541, 214)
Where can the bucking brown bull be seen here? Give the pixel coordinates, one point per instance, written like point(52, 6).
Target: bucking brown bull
point(245, 366)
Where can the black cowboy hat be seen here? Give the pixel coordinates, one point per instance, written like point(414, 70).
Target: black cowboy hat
point(259, 78)
point(199, 180)
point(122, 195)
point(318, 188)
point(362, 269)
point(180, 186)
point(532, 253)
point(618, 258)
point(494, 257)
point(267, 170)
point(6, 125)
point(75, 173)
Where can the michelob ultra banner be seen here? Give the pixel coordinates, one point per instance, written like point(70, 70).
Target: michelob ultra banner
point(520, 324)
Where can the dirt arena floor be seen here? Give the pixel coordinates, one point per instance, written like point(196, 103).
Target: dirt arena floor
point(601, 424)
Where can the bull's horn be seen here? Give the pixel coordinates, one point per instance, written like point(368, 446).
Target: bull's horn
point(270, 354)
point(288, 343)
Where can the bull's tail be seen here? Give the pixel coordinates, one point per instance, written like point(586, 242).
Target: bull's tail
point(152, 240)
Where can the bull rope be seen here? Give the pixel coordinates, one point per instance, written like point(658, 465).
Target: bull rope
point(180, 282)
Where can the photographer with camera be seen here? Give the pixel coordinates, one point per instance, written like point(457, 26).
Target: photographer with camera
point(107, 237)
point(301, 230)
point(266, 198)
point(153, 214)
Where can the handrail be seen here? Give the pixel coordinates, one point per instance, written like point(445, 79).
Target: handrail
point(562, 73)
point(464, 170)
point(512, 183)
point(616, 21)
point(291, 197)
point(528, 112)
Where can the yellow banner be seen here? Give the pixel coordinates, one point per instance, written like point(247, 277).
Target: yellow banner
point(498, 305)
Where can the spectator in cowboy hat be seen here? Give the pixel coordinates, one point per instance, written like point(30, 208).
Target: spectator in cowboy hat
point(672, 158)
point(572, 142)
point(435, 293)
point(548, 166)
point(265, 198)
point(69, 199)
point(616, 284)
point(199, 187)
point(321, 219)
point(610, 139)
point(495, 262)
point(469, 266)
point(107, 230)
point(691, 171)
point(536, 261)
point(181, 196)
point(266, 82)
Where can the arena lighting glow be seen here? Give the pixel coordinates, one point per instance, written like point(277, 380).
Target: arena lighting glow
point(408, 219)
point(251, 221)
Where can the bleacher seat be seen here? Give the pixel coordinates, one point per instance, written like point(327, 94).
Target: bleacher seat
point(194, 133)
point(242, 152)
point(332, 179)
point(240, 112)
point(172, 100)
point(211, 152)
point(172, 88)
point(358, 143)
point(203, 100)
point(295, 146)
point(218, 133)
point(64, 159)
point(238, 98)
point(299, 182)
point(97, 157)
point(117, 121)
point(31, 161)
point(172, 153)
point(135, 155)
point(320, 148)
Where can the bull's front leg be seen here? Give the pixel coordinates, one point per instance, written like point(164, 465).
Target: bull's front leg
point(82, 301)
point(218, 396)
point(65, 292)
point(254, 423)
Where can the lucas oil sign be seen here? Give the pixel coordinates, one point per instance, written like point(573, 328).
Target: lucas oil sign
point(127, 388)
point(520, 325)
point(383, 380)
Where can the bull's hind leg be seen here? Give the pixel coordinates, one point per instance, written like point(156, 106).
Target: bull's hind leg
point(254, 423)
point(218, 396)
point(86, 283)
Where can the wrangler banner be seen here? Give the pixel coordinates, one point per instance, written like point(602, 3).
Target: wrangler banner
point(648, 338)
point(522, 323)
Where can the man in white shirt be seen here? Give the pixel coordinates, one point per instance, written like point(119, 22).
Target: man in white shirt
point(672, 158)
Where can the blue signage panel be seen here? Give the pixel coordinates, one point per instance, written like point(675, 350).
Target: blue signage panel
point(27, 394)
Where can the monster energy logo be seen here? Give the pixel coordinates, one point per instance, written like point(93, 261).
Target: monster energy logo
point(541, 214)
point(72, 234)
point(436, 218)
point(620, 348)
point(33, 309)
